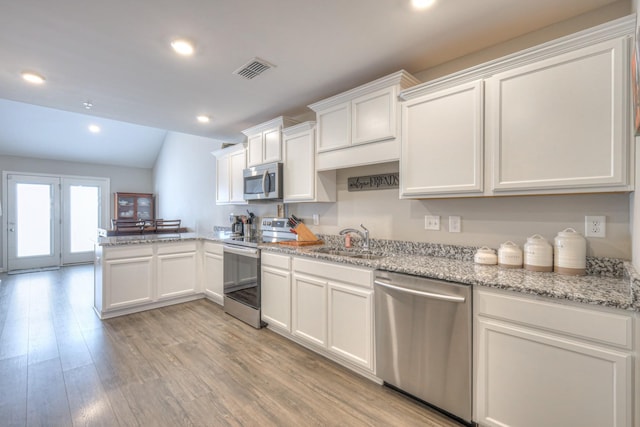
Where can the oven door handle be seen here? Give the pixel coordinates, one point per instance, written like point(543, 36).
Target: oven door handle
point(253, 253)
point(443, 297)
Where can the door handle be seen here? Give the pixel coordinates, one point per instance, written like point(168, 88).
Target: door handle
point(431, 295)
point(265, 190)
point(12, 229)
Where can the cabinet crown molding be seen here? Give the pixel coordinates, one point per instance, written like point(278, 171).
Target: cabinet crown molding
point(229, 150)
point(621, 27)
point(401, 78)
point(304, 126)
point(281, 121)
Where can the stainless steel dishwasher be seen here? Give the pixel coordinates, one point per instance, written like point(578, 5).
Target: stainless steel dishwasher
point(423, 340)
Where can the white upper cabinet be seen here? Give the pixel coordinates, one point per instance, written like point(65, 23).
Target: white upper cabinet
point(230, 162)
point(548, 120)
point(301, 182)
point(361, 126)
point(264, 141)
point(334, 127)
point(442, 142)
point(373, 116)
point(562, 123)
point(223, 183)
point(237, 164)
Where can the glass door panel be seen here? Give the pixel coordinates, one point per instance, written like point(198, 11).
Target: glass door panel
point(85, 202)
point(33, 222)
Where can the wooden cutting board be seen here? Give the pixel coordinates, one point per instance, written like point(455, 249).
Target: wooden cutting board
point(301, 243)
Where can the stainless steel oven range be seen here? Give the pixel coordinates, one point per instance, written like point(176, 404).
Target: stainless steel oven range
point(242, 269)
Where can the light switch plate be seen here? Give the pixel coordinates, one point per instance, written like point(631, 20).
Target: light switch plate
point(432, 222)
point(455, 223)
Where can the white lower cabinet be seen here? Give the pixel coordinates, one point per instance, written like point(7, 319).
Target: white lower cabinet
point(350, 318)
point(132, 278)
point(176, 269)
point(541, 363)
point(310, 309)
point(332, 309)
point(276, 291)
point(129, 274)
point(212, 272)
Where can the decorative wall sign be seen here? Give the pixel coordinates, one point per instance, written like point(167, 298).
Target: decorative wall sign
point(374, 182)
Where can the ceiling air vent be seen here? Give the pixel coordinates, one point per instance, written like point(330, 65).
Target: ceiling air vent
point(253, 68)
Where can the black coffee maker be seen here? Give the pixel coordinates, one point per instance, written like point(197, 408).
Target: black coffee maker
point(236, 224)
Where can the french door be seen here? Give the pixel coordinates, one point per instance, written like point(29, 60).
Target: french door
point(33, 221)
point(83, 209)
point(53, 220)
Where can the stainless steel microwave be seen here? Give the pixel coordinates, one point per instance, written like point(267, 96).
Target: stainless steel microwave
point(263, 182)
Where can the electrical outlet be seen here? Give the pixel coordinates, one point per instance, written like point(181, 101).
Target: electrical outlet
point(432, 222)
point(454, 224)
point(316, 219)
point(595, 226)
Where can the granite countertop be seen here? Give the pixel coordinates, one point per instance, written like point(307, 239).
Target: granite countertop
point(136, 239)
point(453, 264)
point(615, 292)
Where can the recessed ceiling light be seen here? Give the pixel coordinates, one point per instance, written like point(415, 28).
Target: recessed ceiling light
point(94, 128)
point(203, 119)
point(183, 47)
point(422, 4)
point(32, 77)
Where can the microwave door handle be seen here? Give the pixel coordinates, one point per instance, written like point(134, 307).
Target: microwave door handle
point(265, 188)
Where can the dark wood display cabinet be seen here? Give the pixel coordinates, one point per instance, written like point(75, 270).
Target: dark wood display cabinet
point(134, 206)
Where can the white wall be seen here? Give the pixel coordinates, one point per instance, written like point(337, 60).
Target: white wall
point(485, 221)
point(184, 180)
point(604, 14)
point(122, 178)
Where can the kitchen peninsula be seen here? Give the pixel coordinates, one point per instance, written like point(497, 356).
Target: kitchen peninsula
point(140, 272)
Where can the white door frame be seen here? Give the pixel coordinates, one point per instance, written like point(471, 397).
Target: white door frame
point(53, 256)
point(105, 198)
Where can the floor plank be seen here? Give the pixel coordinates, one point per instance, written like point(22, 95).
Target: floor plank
point(88, 401)
point(185, 365)
point(13, 391)
point(47, 402)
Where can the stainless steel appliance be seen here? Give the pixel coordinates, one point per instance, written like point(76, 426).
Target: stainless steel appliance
point(423, 340)
point(263, 182)
point(242, 270)
point(236, 225)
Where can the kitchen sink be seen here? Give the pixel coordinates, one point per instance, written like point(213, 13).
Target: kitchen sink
point(367, 256)
point(350, 254)
point(330, 251)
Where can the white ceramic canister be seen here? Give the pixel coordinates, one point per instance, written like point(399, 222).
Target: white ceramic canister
point(538, 254)
point(486, 256)
point(509, 255)
point(570, 250)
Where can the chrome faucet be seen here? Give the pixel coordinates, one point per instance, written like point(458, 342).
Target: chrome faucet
point(364, 235)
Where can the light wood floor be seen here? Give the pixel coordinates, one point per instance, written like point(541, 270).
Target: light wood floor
point(184, 365)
